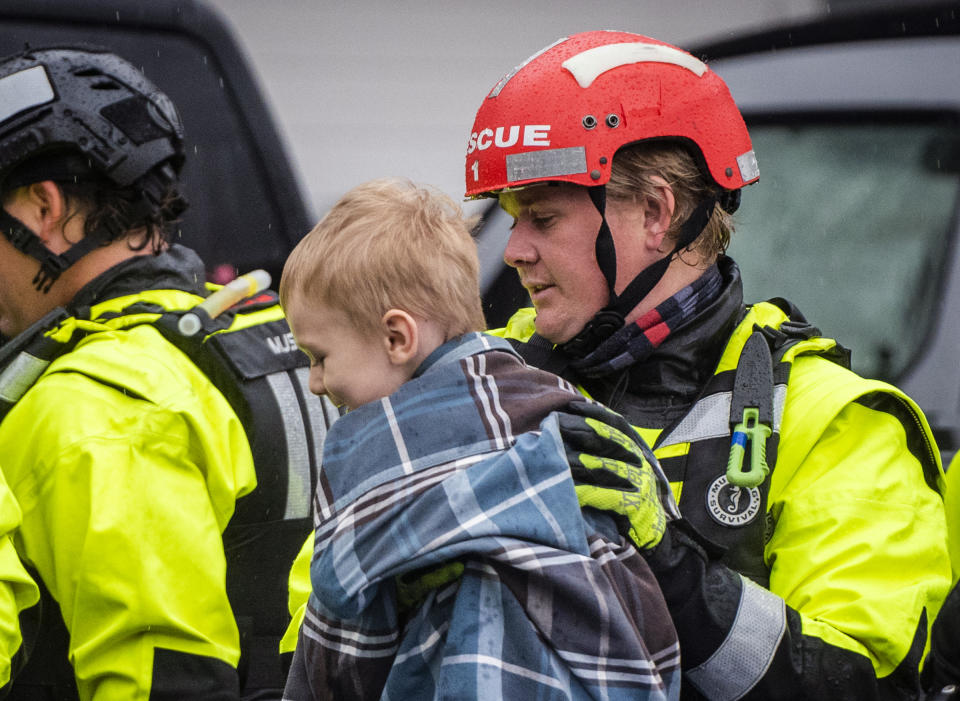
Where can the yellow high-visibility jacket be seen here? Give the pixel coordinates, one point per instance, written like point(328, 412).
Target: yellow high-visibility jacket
point(854, 542)
point(126, 463)
point(298, 593)
point(941, 668)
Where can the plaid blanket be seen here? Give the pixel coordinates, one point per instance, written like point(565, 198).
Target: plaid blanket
point(463, 469)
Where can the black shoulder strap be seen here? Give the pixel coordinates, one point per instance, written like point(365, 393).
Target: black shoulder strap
point(797, 329)
point(757, 367)
point(543, 354)
point(24, 358)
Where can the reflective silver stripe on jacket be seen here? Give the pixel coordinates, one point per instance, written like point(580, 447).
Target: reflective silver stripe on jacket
point(745, 655)
point(320, 413)
point(710, 418)
point(20, 375)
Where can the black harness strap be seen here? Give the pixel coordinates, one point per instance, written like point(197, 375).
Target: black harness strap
point(612, 317)
point(542, 354)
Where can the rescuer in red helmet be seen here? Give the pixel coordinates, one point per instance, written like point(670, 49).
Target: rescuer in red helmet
point(811, 556)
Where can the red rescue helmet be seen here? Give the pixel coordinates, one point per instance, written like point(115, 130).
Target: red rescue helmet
point(563, 114)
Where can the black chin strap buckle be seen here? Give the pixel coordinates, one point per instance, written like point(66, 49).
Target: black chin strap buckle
point(51, 264)
point(601, 327)
point(50, 268)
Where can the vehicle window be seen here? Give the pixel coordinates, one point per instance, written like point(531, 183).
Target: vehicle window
point(861, 212)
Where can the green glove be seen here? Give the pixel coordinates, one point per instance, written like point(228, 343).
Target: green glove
point(413, 587)
point(615, 471)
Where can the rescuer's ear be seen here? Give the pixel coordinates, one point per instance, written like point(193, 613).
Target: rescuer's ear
point(45, 214)
point(657, 214)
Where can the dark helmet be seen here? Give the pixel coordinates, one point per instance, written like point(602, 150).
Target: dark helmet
point(70, 112)
point(89, 101)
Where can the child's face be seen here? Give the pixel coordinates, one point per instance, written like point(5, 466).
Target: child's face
point(349, 366)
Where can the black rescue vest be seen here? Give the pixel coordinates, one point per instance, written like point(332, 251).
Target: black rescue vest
point(700, 444)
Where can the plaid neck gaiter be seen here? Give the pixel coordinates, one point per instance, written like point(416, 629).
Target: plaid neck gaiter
point(635, 341)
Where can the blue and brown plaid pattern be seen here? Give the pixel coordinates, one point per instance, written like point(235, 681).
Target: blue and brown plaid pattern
point(464, 464)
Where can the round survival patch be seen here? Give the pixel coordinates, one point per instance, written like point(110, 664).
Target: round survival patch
point(730, 505)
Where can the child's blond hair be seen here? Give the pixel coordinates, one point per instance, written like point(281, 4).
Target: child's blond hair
point(390, 244)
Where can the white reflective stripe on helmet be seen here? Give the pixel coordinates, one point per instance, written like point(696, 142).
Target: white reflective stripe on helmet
point(547, 163)
point(588, 65)
point(747, 162)
point(506, 79)
point(23, 90)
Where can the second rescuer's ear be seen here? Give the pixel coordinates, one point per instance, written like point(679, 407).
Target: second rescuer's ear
point(402, 336)
point(658, 213)
point(45, 214)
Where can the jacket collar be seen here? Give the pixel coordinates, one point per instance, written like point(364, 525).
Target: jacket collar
point(177, 268)
point(658, 389)
point(459, 347)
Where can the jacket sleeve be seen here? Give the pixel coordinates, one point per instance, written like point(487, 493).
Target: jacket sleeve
point(299, 592)
point(124, 502)
point(951, 501)
point(18, 592)
point(858, 567)
point(942, 666)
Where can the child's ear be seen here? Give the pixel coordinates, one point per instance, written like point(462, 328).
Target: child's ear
point(402, 336)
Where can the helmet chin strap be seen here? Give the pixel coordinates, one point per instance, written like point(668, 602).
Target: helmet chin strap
point(51, 264)
point(611, 318)
point(153, 186)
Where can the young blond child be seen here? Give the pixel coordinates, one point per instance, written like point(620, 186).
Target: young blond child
point(451, 557)
point(386, 277)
